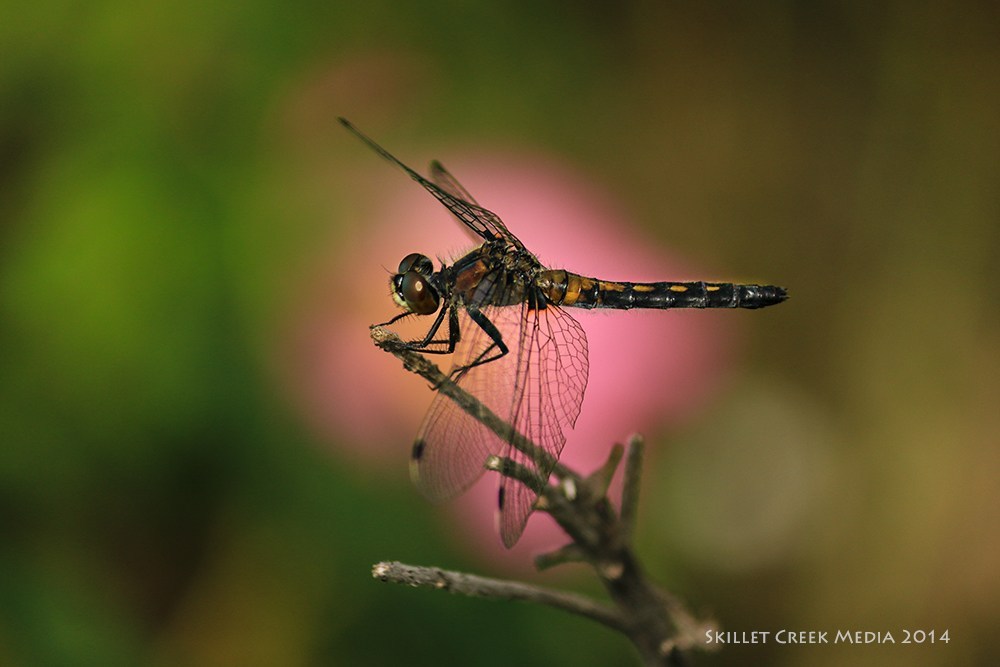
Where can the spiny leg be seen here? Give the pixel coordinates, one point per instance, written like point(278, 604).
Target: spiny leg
point(428, 340)
point(495, 350)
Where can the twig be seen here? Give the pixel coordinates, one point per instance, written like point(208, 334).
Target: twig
point(657, 623)
point(630, 486)
point(514, 470)
point(486, 587)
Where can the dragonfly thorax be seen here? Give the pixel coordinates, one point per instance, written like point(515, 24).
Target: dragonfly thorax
point(411, 286)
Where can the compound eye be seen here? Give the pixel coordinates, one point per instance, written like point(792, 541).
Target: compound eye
point(417, 262)
point(417, 293)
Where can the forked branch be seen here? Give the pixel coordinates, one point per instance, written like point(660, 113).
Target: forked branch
point(657, 623)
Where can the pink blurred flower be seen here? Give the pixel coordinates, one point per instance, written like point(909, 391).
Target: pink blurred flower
point(646, 368)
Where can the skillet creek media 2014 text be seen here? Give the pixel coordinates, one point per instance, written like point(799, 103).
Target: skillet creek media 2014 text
point(784, 636)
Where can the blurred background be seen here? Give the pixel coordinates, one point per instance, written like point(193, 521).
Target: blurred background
point(201, 454)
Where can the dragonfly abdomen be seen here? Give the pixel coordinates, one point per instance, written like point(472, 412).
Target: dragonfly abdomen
point(569, 289)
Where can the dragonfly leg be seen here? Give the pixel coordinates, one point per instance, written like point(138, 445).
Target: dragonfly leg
point(393, 320)
point(428, 344)
point(496, 349)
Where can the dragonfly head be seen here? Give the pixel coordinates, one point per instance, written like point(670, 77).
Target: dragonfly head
point(411, 286)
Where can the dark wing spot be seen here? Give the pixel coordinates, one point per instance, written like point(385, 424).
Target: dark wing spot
point(500, 494)
point(418, 450)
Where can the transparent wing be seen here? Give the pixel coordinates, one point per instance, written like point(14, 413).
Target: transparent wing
point(486, 219)
point(483, 223)
point(551, 378)
point(444, 180)
point(451, 447)
point(537, 387)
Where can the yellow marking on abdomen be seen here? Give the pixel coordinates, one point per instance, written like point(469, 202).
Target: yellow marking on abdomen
point(712, 288)
point(642, 288)
point(574, 286)
point(611, 287)
point(678, 288)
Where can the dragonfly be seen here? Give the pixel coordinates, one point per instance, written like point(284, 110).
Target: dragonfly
point(516, 348)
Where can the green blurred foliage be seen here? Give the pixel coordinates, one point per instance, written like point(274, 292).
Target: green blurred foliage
point(164, 168)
